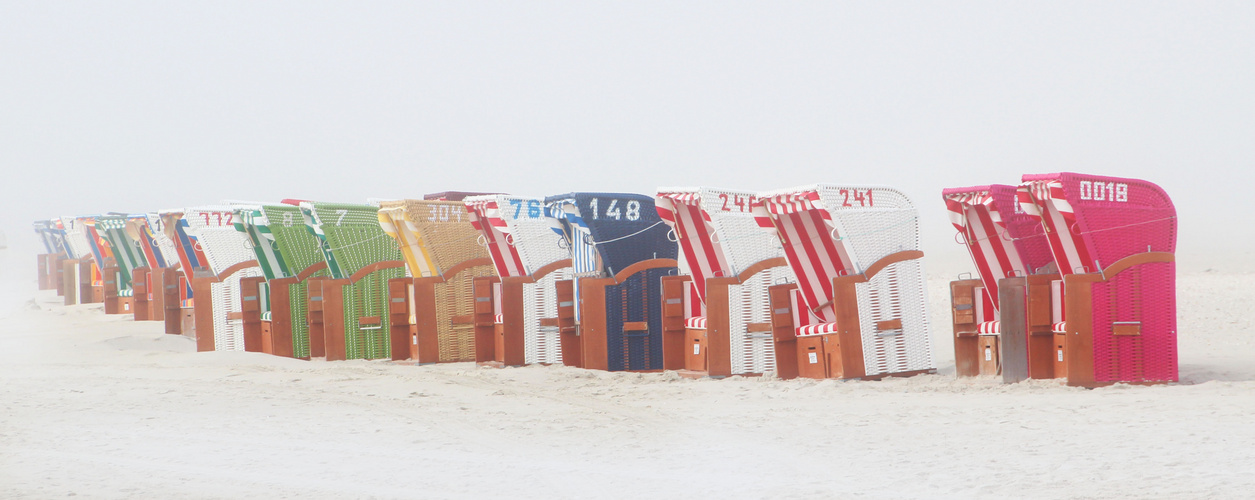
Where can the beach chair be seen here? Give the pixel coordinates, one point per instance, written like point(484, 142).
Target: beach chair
point(516, 311)
point(48, 263)
point(289, 256)
point(1114, 311)
point(352, 303)
point(620, 253)
point(127, 256)
point(716, 315)
point(444, 256)
point(1013, 263)
point(148, 281)
point(78, 273)
point(858, 309)
point(101, 257)
point(215, 257)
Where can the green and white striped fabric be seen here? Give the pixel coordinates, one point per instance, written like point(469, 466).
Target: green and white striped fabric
point(253, 222)
point(314, 224)
point(125, 250)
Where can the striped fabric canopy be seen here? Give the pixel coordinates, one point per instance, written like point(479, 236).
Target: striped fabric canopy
point(975, 215)
point(1045, 200)
point(692, 226)
point(191, 255)
point(99, 247)
point(814, 247)
point(253, 222)
point(126, 251)
point(314, 223)
point(395, 222)
point(568, 223)
point(486, 217)
point(138, 230)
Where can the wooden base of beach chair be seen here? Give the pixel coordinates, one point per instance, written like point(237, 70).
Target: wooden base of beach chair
point(70, 281)
point(314, 310)
point(568, 329)
point(250, 308)
point(46, 270)
point(595, 328)
point(964, 323)
point(139, 297)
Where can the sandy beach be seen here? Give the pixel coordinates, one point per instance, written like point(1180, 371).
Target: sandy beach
point(105, 407)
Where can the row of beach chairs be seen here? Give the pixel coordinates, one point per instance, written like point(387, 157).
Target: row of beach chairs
point(822, 281)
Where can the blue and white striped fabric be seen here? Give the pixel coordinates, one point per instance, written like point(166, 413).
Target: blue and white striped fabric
point(566, 221)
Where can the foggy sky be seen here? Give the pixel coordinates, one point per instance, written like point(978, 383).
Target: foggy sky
point(138, 106)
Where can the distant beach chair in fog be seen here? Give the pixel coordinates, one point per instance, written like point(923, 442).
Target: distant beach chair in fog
point(859, 307)
point(716, 315)
point(127, 256)
point(1013, 263)
point(289, 256)
point(47, 263)
point(443, 255)
point(78, 272)
point(351, 306)
point(1114, 311)
point(215, 258)
point(620, 253)
point(101, 256)
point(516, 311)
point(150, 284)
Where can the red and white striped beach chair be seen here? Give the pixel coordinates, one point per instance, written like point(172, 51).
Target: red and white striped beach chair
point(1013, 263)
point(1113, 240)
point(716, 316)
point(858, 309)
point(516, 311)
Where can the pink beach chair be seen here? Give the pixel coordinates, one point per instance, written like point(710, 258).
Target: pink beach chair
point(1113, 240)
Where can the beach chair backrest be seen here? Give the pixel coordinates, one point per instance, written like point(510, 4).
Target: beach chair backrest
point(718, 233)
point(75, 238)
point(834, 230)
point(350, 235)
point(126, 251)
point(444, 233)
point(298, 248)
point(610, 231)
point(254, 223)
point(517, 232)
point(1093, 221)
point(1002, 240)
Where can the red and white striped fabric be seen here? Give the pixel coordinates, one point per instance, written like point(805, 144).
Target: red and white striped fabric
point(703, 255)
point(1045, 200)
point(695, 323)
point(988, 327)
point(485, 215)
point(498, 318)
point(806, 324)
point(973, 213)
point(812, 247)
point(1061, 327)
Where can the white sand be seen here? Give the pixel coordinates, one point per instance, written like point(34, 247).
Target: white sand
point(103, 407)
